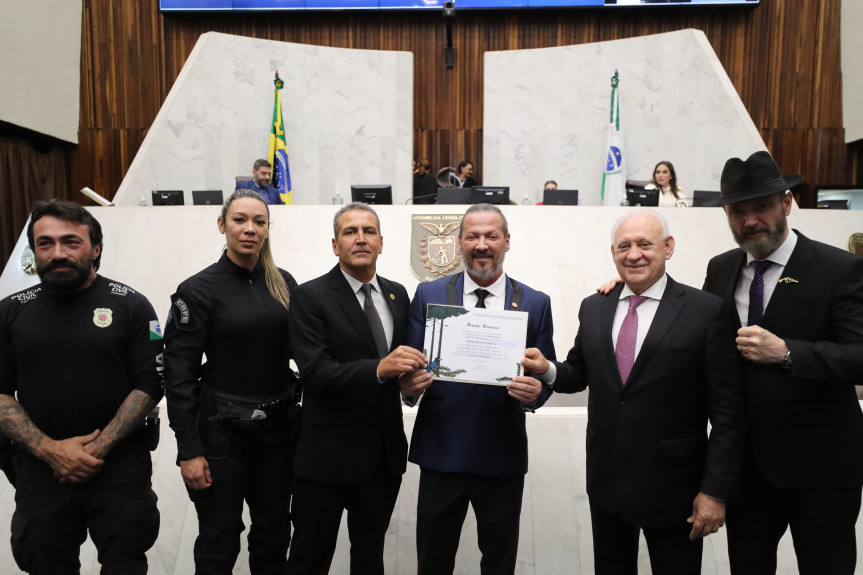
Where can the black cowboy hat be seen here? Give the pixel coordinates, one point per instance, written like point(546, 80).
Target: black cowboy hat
point(757, 177)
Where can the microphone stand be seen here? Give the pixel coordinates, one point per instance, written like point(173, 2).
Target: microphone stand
point(424, 196)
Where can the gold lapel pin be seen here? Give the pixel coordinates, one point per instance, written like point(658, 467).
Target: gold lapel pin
point(788, 280)
point(393, 297)
point(514, 304)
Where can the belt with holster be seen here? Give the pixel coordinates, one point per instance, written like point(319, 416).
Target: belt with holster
point(237, 408)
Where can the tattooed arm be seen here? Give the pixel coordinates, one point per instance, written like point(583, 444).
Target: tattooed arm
point(129, 417)
point(67, 457)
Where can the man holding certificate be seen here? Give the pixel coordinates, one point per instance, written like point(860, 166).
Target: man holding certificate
point(660, 360)
point(469, 438)
point(346, 330)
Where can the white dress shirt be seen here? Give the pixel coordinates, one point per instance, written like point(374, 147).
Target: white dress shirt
point(496, 298)
point(771, 277)
point(381, 305)
point(667, 199)
point(646, 311)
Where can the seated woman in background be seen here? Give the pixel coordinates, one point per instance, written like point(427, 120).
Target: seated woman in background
point(550, 185)
point(665, 179)
point(464, 172)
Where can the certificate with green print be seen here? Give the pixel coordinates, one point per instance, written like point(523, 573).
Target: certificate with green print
point(474, 345)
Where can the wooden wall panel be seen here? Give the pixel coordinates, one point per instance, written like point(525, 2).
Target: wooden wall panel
point(782, 57)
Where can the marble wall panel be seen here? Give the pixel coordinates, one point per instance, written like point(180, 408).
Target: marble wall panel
point(348, 118)
point(851, 46)
point(546, 113)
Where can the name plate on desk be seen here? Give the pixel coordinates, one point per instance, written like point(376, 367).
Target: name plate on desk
point(474, 345)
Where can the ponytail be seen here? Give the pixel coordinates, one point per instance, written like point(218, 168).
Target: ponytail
point(275, 281)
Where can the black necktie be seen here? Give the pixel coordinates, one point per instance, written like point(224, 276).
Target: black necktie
point(481, 294)
point(375, 321)
point(756, 292)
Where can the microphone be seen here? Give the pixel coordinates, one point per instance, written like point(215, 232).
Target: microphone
point(96, 198)
point(424, 196)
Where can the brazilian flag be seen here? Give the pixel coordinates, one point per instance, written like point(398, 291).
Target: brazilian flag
point(278, 155)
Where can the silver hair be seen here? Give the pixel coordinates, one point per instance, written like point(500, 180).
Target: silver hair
point(484, 209)
point(354, 206)
point(636, 212)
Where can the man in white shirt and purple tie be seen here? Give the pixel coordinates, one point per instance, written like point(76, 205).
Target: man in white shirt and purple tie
point(660, 361)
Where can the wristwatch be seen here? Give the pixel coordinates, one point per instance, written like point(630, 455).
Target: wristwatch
point(786, 363)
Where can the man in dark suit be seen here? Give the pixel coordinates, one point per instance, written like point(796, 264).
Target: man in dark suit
point(802, 337)
point(425, 183)
point(262, 172)
point(470, 440)
point(659, 359)
point(346, 328)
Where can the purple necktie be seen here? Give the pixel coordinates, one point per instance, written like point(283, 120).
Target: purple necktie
point(756, 291)
point(625, 350)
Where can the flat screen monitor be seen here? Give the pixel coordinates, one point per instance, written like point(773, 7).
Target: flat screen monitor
point(168, 198)
point(642, 197)
point(453, 195)
point(851, 195)
point(704, 198)
point(833, 204)
point(560, 197)
point(207, 197)
point(489, 195)
point(372, 194)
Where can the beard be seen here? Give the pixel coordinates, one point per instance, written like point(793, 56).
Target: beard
point(64, 281)
point(760, 249)
point(484, 274)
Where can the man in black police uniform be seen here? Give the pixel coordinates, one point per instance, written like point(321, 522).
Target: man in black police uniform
point(82, 355)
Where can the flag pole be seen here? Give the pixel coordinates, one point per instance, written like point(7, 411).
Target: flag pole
point(613, 190)
point(278, 152)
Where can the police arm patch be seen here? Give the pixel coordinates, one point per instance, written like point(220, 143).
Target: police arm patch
point(183, 309)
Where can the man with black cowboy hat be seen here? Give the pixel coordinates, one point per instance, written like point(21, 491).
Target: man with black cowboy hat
point(800, 305)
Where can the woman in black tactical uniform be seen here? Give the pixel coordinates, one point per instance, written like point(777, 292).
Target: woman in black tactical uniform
point(234, 415)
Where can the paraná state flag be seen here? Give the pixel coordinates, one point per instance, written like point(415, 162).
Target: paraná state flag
point(614, 174)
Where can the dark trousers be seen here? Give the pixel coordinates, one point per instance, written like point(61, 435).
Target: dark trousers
point(254, 466)
point(615, 546)
point(822, 527)
point(441, 509)
point(117, 506)
point(317, 513)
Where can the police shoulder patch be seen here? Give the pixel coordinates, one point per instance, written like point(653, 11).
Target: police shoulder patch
point(183, 308)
